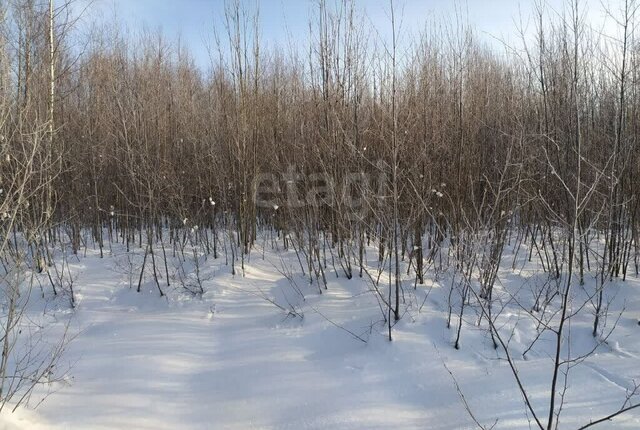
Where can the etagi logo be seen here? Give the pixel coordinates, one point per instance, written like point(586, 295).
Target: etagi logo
point(293, 189)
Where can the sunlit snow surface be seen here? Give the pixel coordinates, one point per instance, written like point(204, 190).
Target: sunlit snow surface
point(234, 360)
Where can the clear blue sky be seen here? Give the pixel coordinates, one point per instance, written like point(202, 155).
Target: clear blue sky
point(193, 20)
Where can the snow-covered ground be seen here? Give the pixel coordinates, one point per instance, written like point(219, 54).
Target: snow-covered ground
point(234, 359)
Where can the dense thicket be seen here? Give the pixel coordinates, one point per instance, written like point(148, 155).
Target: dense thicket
point(450, 136)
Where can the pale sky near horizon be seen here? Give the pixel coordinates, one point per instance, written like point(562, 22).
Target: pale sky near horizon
point(193, 20)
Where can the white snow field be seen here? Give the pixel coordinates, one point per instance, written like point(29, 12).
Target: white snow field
point(235, 359)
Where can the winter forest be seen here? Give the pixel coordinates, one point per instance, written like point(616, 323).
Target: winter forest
point(364, 227)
